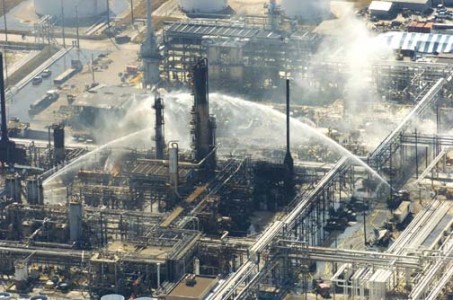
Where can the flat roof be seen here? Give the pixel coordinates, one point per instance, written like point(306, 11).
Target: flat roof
point(212, 29)
point(199, 290)
point(420, 24)
point(380, 5)
point(411, 1)
point(107, 97)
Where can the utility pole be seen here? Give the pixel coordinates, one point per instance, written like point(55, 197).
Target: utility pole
point(77, 28)
point(132, 13)
point(62, 24)
point(6, 40)
point(108, 14)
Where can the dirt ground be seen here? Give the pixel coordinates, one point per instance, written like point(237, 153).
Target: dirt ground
point(140, 9)
point(249, 7)
point(9, 4)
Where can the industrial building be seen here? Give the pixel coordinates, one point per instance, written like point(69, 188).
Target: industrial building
point(145, 223)
point(414, 5)
point(208, 196)
point(382, 10)
point(235, 54)
point(418, 42)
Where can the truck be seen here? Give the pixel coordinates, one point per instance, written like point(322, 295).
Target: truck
point(76, 66)
point(402, 212)
point(41, 104)
point(16, 128)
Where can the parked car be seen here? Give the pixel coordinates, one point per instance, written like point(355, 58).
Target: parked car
point(36, 80)
point(46, 73)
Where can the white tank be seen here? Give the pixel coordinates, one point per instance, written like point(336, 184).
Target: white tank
point(40, 297)
point(305, 9)
point(203, 6)
point(112, 297)
point(5, 296)
point(21, 271)
point(85, 8)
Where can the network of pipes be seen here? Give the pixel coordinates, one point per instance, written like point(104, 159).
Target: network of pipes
point(217, 150)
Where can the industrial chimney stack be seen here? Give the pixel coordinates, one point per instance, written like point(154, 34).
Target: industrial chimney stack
point(288, 162)
point(203, 125)
point(149, 52)
point(9, 152)
point(159, 127)
point(58, 142)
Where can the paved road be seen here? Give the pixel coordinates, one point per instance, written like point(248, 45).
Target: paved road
point(107, 44)
point(30, 93)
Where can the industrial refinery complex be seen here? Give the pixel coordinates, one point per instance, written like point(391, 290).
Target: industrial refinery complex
point(226, 149)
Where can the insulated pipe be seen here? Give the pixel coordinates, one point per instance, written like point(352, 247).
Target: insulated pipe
point(158, 275)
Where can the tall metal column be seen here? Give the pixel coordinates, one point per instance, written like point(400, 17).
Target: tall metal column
point(159, 127)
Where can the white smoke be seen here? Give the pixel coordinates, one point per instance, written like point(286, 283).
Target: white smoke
point(305, 9)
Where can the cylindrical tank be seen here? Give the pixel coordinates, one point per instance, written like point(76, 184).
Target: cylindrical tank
point(21, 271)
point(13, 187)
point(71, 8)
point(203, 6)
point(75, 221)
point(173, 165)
point(5, 296)
point(39, 297)
point(158, 275)
point(305, 9)
point(112, 297)
point(196, 266)
point(35, 191)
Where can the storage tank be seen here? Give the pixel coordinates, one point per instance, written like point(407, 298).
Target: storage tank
point(35, 191)
point(203, 6)
point(75, 221)
point(112, 297)
point(39, 297)
point(305, 9)
point(86, 9)
point(5, 296)
point(13, 187)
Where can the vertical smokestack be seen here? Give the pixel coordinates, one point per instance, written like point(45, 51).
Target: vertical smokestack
point(159, 127)
point(287, 117)
point(288, 162)
point(203, 124)
point(149, 52)
point(58, 142)
point(3, 102)
point(9, 153)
